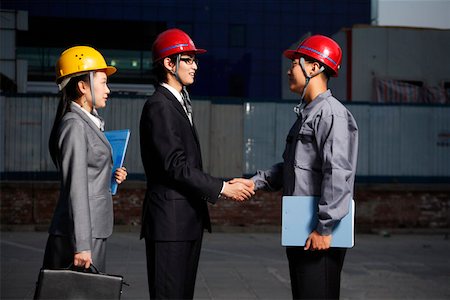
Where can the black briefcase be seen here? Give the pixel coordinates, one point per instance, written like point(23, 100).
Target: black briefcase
point(72, 284)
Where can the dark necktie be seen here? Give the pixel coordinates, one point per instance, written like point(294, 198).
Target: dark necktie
point(187, 103)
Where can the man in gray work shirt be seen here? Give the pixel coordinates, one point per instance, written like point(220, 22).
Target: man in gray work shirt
point(319, 160)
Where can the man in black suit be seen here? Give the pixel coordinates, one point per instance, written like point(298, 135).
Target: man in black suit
point(175, 211)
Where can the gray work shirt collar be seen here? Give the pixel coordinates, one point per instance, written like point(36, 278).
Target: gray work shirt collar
point(310, 106)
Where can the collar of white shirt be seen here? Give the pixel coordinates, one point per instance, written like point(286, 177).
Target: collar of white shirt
point(174, 92)
point(94, 119)
point(178, 96)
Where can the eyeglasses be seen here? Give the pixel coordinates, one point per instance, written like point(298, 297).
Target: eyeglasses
point(189, 60)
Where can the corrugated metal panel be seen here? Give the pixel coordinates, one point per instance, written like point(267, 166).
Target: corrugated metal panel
point(440, 140)
point(384, 147)
point(226, 140)
point(49, 106)
point(23, 130)
point(361, 113)
point(125, 113)
point(7, 42)
point(259, 135)
point(415, 141)
point(2, 133)
point(393, 140)
point(202, 119)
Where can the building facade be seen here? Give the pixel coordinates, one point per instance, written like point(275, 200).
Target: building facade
point(245, 39)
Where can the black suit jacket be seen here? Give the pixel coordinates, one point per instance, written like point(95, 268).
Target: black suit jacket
point(175, 205)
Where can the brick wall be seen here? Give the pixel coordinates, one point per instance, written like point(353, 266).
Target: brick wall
point(378, 207)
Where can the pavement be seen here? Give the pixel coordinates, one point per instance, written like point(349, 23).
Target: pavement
point(254, 266)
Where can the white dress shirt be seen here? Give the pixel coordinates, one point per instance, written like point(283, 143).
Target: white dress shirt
point(94, 119)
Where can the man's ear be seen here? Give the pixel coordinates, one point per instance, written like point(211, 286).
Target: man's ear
point(168, 64)
point(315, 66)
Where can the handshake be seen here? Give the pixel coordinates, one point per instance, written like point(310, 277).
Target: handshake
point(239, 189)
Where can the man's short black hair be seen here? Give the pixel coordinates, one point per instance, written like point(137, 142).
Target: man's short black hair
point(327, 71)
point(160, 71)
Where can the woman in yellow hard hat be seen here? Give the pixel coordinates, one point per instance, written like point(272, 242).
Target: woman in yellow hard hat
point(83, 218)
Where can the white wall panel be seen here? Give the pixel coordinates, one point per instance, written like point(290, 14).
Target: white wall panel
point(369, 53)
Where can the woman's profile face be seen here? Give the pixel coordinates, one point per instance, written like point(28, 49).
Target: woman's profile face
point(101, 90)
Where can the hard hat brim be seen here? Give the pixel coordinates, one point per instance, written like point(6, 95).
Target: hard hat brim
point(291, 54)
point(195, 51)
point(110, 70)
point(200, 51)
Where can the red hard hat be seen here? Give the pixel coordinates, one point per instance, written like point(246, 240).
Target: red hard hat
point(173, 41)
point(320, 48)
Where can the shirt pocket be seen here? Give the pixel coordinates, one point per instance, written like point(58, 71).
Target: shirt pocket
point(306, 135)
point(306, 152)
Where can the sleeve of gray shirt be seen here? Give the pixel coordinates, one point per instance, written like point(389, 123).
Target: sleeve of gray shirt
point(336, 138)
point(269, 180)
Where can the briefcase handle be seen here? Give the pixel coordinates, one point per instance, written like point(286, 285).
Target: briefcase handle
point(93, 269)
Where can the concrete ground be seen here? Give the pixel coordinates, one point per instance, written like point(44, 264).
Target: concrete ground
point(254, 266)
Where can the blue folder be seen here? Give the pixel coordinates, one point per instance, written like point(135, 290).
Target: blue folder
point(118, 139)
point(299, 219)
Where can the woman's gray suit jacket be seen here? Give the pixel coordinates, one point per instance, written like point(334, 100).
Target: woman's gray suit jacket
point(85, 209)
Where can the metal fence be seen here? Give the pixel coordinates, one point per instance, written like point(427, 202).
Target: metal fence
point(397, 142)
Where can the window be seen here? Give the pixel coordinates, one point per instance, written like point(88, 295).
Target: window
point(237, 35)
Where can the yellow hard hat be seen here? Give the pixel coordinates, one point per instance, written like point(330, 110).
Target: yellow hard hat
point(81, 59)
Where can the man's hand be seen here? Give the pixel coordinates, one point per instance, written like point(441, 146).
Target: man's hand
point(316, 241)
point(237, 191)
point(248, 182)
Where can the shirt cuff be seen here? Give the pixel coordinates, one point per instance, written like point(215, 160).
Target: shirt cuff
point(221, 191)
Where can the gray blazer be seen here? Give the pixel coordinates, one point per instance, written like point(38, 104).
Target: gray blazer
point(84, 210)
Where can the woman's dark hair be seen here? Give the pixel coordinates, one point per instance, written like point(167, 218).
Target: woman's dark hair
point(69, 93)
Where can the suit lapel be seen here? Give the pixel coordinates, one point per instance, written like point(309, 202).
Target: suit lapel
point(174, 102)
point(91, 124)
point(180, 109)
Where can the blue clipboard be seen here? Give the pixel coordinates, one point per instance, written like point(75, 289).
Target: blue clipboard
point(299, 219)
point(118, 139)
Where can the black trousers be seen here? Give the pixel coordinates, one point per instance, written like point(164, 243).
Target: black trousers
point(315, 274)
point(172, 268)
